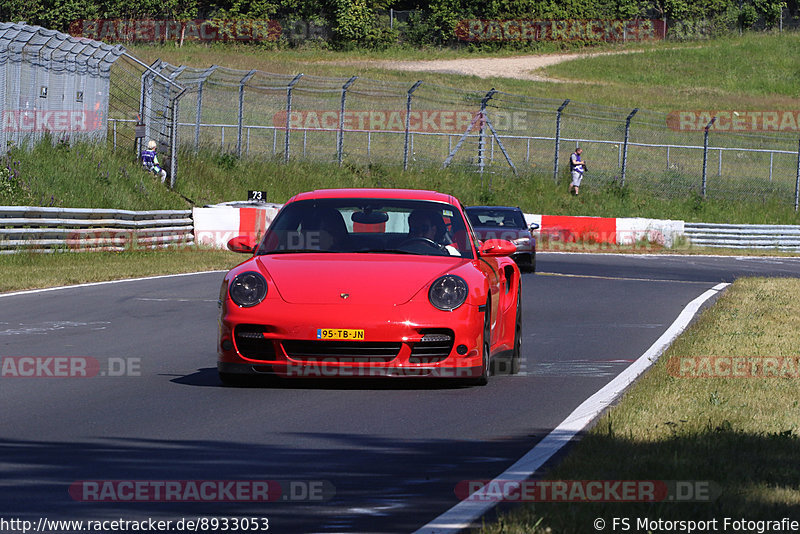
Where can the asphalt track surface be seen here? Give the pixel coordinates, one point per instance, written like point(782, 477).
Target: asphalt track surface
point(393, 451)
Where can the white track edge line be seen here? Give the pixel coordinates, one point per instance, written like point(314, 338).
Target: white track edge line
point(665, 255)
point(92, 284)
point(462, 515)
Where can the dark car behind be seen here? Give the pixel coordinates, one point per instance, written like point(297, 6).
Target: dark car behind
point(506, 222)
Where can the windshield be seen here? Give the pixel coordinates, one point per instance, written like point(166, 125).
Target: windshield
point(368, 226)
point(496, 218)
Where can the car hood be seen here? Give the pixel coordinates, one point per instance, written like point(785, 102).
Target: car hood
point(313, 278)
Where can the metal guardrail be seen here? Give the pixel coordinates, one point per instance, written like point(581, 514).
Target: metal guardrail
point(38, 229)
point(42, 229)
point(754, 236)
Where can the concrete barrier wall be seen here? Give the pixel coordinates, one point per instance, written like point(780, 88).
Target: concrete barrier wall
point(216, 225)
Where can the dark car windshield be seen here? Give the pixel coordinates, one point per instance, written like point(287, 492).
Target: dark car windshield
point(390, 226)
point(496, 218)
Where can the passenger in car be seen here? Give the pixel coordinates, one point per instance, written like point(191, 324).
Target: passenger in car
point(325, 229)
point(428, 224)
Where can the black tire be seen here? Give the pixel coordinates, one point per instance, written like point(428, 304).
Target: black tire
point(516, 354)
point(510, 362)
point(527, 264)
point(483, 379)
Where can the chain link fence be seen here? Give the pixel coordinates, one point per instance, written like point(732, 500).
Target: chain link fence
point(56, 86)
point(68, 88)
point(143, 106)
point(417, 125)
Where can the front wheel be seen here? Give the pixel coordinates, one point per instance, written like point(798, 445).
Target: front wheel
point(510, 362)
point(516, 354)
point(486, 360)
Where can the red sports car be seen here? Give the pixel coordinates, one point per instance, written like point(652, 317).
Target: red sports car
point(370, 283)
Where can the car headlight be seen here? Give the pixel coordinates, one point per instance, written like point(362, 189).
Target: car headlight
point(448, 292)
point(248, 289)
point(522, 241)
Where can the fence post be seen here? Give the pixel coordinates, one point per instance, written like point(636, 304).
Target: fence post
point(705, 155)
point(288, 114)
point(240, 124)
point(199, 113)
point(481, 142)
point(340, 135)
point(145, 103)
point(797, 180)
point(172, 111)
point(408, 122)
point(558, 138)
point(173, 141)
point(625, 144)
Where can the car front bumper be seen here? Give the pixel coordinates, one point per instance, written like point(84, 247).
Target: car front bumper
point(409, 340)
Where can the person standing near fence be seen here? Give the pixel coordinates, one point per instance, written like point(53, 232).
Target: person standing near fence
point(577, 167)
point(150, 161)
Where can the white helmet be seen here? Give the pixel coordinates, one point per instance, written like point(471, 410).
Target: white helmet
point(151, 145)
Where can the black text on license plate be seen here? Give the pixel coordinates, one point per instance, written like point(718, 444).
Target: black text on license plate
point(340, 334)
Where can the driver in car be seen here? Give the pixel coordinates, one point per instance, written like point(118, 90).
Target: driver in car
point(429, 225)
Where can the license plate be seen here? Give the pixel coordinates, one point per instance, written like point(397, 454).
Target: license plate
point(340, 334)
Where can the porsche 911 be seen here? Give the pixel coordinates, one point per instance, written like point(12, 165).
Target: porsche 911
point(370, 283)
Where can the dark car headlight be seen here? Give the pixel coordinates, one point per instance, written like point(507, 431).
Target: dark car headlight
point(448, 292)
point(248, 289)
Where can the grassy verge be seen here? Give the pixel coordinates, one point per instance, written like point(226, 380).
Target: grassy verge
point(661, 76)
point(87, 176)
point(741, 434)
point(724, 65)
point(28, 271)
point(80, 176)
point(534, 193)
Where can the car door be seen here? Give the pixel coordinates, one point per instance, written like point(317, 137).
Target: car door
point(495, 276)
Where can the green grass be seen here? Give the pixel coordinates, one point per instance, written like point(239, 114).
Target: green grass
point(725, 66)
point(29, 270)
point(534, 192)
point(714, 74)
point(81, 176)
point(742, 434)
point(86, 176)
point(661, 76)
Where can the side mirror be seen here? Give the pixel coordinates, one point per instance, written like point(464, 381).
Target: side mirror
point(242, 243)
point(533, 227)
point(497, 247)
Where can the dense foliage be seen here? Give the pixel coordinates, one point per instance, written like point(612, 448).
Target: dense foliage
point(366, 22)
